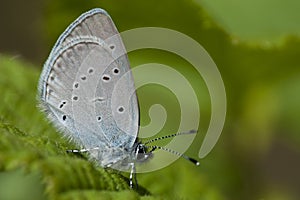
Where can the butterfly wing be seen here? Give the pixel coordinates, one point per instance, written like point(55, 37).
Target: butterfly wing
point(86, 85)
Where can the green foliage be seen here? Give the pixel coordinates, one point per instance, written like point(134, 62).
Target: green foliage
point(30, 144)
point(263, 90)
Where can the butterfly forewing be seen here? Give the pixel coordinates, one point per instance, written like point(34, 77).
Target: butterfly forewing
point(78, 81)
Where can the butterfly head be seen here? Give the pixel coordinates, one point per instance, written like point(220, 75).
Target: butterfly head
point(142, 152)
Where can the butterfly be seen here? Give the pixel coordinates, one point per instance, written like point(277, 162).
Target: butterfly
point(87, 90)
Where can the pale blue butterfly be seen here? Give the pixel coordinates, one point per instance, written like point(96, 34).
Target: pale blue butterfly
point(77, 89)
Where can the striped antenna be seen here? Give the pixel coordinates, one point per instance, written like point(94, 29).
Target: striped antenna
point(170, 136)
point(194, 161)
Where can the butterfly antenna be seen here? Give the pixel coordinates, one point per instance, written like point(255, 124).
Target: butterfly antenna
point(194, 161)
point(170, 136)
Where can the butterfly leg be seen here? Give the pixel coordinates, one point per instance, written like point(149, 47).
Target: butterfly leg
point(81, 150)
point(133, 176)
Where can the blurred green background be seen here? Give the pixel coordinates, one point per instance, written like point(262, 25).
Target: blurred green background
point(256, 46)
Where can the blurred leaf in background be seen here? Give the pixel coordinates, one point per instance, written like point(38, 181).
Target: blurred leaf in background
point(256, 21)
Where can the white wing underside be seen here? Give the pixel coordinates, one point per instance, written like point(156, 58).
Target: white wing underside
point(87, 87)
